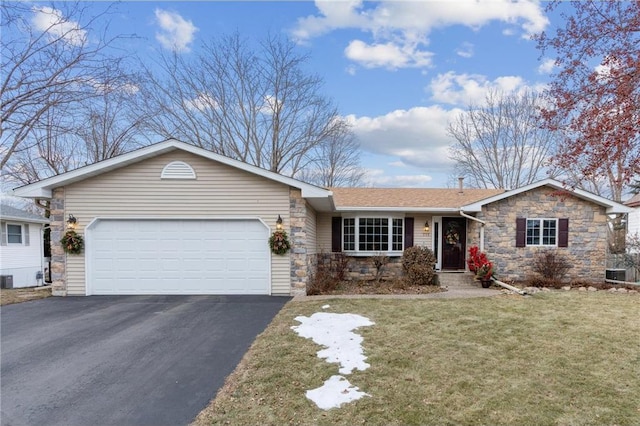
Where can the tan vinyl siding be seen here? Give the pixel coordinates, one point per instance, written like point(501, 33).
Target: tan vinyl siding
point(137, 191)
point(420, 238)
point(310, 229)
point(323, 237)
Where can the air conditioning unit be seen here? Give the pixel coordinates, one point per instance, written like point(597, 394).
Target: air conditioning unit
point(616, 274)
point(6, 281)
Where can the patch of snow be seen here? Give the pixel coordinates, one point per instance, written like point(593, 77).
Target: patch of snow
point(342, 346)
point(334, 331)
point(326, 306)
point(335, 392)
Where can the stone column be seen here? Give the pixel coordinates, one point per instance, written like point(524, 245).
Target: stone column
point(298, 238)
point(58, 256)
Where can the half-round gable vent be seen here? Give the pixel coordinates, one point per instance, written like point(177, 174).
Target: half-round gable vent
point(178, 170)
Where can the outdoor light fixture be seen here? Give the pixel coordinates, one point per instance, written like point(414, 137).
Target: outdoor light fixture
point(279, 223)
point(426, 226)
point(71, 222)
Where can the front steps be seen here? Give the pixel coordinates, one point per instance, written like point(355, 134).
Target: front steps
point(456, 279)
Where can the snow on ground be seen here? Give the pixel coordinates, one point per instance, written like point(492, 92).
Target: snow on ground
point(342, 346)
point(335, 392)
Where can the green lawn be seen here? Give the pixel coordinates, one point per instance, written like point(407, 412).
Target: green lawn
point(560, 358)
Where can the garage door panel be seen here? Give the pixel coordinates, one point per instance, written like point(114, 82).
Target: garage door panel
point(179, 257)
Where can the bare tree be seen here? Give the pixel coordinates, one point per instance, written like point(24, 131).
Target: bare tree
point(499, 144)
point(48, 62)
point(337, 162)
point(74, 135)
point(258, 105)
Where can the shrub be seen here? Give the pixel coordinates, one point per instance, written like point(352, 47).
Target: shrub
point(329, 272)
point(479, 264)
point(379, 261)
point(551, 265)
point(417, 265)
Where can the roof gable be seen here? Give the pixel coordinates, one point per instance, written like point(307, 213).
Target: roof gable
point(43, 188)
point(611, 206)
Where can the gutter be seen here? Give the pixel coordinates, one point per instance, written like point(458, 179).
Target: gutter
point(481, 222)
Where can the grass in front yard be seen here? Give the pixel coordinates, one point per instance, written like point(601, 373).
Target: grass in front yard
point(561, 358)
point(17, 295)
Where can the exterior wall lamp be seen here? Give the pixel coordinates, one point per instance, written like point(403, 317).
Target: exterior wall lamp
point(426, 227)
point(72, 222)
point(279, 223)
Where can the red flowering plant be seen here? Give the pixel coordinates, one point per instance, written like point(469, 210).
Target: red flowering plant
point(479, 264)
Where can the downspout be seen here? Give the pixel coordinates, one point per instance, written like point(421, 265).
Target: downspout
point(481, 222)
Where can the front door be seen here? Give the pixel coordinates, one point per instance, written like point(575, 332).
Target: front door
point(454, 235)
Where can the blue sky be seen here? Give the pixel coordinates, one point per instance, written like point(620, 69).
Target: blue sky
point(398, 70)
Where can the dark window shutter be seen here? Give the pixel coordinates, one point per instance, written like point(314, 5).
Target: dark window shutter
point(408, 232)
point(521, 232)
point(336, 234)
point(563, 232)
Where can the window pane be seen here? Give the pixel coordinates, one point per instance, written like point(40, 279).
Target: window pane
point(533, 232)
point(549, 232)
point(374, 234)
point(397, 234)
point(14, 234)
point(349, 234)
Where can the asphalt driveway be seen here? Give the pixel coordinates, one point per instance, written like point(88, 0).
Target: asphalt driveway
point(126, 360)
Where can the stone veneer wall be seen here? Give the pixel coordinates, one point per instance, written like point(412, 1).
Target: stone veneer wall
point(301, 263)
point(58, 256)
point(363, 269)
point(587, 234)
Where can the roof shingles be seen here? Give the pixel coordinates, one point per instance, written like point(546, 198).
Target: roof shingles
point(421, 198)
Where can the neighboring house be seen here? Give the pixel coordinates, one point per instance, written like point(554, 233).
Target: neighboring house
point(633, 218)
point(172, 218)
point(21, 247)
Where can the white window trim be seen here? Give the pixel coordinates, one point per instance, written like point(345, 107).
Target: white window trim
point(368, 253)
point(541, 219)
point(6, 229)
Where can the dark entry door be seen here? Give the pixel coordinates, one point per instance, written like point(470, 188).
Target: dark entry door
point(454, 235)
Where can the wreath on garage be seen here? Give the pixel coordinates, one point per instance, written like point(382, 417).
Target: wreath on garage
point(279, 242)
point(72, 242)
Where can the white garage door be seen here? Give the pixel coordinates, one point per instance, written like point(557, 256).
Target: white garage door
point(178, 257)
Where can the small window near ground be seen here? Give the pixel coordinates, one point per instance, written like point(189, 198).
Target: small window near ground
point(14, 234)
point(542, 232)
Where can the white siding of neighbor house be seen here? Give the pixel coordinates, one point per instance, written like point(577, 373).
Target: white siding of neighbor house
point(310, 230)
point(633, 226)
point(220, 191)
point(21, 260)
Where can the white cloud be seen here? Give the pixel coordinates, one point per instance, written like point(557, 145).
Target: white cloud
point(547, 66)
point(351, 70)
point(417, 137)
point(377, 178)
point(388, 55)
point(201, 103)
point(404, 26)
point(464, 89)
point(176, 33)
point(465, 50)
point(52, 21)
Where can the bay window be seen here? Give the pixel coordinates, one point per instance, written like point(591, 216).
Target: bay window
point(372, 234)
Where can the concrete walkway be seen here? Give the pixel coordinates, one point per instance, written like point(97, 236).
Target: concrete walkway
point(457, 292)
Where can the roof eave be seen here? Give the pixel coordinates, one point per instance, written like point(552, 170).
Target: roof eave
point(25, 219)
point(398, 209)
point(43, 188)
